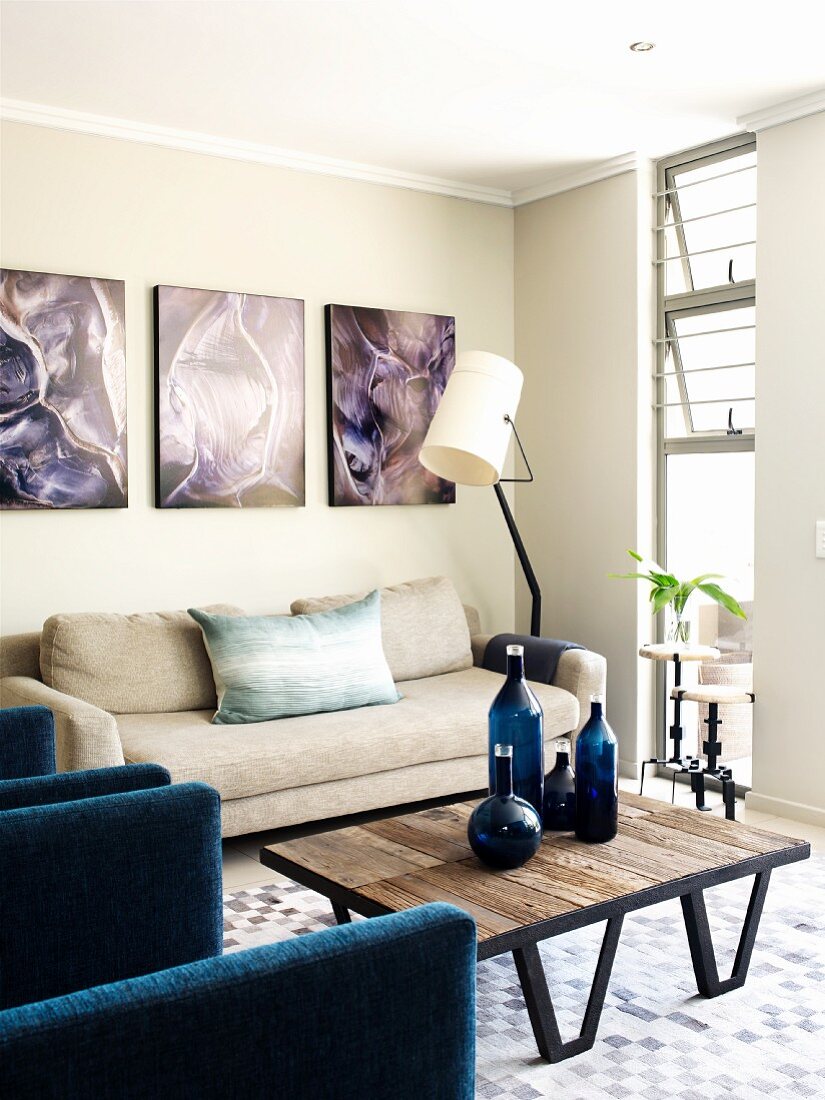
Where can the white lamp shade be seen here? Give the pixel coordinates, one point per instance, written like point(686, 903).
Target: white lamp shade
point(468, 437)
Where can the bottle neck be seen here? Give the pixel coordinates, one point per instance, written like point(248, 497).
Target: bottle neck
point(596, 708)
point(504, 776)
point(515, 666)
point(562, 760)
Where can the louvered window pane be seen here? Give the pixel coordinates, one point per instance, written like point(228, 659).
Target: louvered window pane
point(723, 337)
point(713, 213)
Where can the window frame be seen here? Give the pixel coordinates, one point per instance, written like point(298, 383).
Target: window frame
point(728, 296)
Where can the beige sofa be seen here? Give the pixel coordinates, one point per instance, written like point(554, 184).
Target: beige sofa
point(139, 688)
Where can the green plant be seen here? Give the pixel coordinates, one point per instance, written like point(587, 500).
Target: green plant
point(666, 589)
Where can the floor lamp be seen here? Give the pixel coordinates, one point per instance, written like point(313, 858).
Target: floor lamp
point(469, 435)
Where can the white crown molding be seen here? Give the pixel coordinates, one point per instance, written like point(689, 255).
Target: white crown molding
point(778, 113)
point(59, 118)
point(80, 122)
point(556, 185)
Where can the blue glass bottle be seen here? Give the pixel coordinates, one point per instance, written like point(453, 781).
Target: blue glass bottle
point(504, 831)
point(597, 778)
point(516, 719)
point(559, 813)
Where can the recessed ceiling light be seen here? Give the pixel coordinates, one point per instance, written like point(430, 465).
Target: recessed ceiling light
point(642, 47)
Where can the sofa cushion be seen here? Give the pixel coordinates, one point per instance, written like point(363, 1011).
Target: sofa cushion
point(135, 664)
point(280, 666)
point(438, 718)
point(423, 626)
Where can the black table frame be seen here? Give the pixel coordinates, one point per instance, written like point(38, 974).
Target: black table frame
point(523, 941)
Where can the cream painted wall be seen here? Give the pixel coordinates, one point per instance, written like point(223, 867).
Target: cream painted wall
point(96, 206)
point(583, 328)
point(789, 619)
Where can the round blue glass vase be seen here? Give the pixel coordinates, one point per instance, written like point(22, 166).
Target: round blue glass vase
point(516, 719)
point(504, 831)
point(597, 778)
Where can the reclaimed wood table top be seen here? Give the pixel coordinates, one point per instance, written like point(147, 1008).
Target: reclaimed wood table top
point(399, 862)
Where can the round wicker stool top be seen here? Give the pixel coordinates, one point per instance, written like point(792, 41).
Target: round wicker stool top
point(712, 693)
point(670, 651)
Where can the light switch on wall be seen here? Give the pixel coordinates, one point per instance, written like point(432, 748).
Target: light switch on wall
point(820, 538)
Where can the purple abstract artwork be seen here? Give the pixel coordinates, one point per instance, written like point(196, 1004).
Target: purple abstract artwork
point(62, 392)
point(387, 370)
point(230, 399)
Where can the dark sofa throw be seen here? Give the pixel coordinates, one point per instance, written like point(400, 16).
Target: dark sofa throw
point(541, 655)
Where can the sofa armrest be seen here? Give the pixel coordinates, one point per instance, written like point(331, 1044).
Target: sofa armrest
point(582, 673)
point(579, 671)
point(86, 736)
point(387, 1008)
point(478, 643)
point(46, 790)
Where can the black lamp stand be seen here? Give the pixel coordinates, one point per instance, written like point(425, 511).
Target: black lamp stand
point(529, 572)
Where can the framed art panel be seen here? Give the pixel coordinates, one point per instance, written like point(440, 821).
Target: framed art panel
point(386, 372)
point(63, 436)
point(229, 399)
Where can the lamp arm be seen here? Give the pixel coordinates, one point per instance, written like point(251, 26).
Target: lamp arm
point(518, 480)
point(532, 582)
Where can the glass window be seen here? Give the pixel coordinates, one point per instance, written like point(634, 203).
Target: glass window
point(706, 372)
point(710, 519)
point(710, 370)
point(710, 220)
point(710, 526)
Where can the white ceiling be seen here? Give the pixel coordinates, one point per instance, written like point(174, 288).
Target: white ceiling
point(500, 94)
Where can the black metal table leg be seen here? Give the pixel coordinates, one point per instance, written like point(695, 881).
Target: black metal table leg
point(700, 939)
point(342, 915)
point(540, 1005)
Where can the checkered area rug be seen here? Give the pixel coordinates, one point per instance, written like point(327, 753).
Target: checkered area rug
point(657, 1038)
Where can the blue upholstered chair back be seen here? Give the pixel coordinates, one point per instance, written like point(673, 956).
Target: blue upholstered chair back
point(106, 888)
point(377, 1010)
point(26, 742)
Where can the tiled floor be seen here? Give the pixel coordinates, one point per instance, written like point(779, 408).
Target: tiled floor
point(241, 867)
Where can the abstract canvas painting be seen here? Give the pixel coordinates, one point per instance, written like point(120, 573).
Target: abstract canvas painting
point(386, 372)
point(62, 391)
point(229, 396)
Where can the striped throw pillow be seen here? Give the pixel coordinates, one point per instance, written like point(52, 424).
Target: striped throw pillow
point(279, 666)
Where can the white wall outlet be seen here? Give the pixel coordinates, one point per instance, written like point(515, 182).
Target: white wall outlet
point(820, 538)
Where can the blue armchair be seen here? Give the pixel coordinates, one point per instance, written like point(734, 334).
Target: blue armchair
point(112, 986)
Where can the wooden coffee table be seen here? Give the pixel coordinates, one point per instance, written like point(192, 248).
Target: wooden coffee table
point(661, 852)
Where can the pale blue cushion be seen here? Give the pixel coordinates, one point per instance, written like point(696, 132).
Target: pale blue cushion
point(279, 666)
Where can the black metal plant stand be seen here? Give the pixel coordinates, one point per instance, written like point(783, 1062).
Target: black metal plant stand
point(683, 763)
point(712, 749)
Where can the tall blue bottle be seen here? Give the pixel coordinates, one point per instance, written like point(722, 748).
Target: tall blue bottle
point(516, 719)
point(597, 778)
